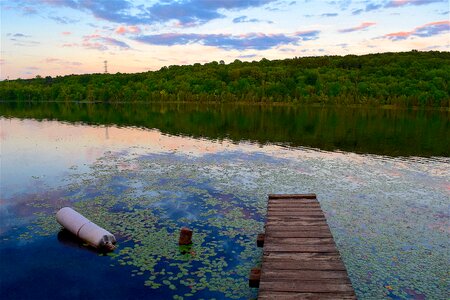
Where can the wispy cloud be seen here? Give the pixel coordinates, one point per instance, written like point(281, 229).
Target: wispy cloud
point(362, 26)
point(398, 3)
point(22, 40)
point(329, 15)
point(102, 43)
point(308, 35)
point(427, 30)
point(63, 20)
point(256, 41)
point(66, 33)
point(28, 10)
point(248, 56)
point(19, 35)
point(245, 19)
point(373, 6)
point(70, 45)
point(62, 62)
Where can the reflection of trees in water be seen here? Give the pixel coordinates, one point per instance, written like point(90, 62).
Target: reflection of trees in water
point(361, 130)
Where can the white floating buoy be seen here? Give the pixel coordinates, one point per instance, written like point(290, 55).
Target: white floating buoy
point(84, 229)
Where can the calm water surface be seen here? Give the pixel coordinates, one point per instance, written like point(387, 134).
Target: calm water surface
point(389, 215)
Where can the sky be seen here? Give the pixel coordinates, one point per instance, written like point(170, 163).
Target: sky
point(62, 37)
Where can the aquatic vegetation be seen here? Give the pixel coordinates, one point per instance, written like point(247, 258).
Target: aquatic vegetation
point(387, 216)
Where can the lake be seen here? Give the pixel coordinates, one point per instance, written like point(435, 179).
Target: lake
point(144, 171)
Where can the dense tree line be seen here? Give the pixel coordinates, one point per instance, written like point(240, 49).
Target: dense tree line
point(402, 79)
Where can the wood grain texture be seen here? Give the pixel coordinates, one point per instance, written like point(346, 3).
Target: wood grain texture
point(300, 258)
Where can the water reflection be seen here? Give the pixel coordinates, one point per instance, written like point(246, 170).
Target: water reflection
point(360, 130)
point(68, 239)
point(388, 215)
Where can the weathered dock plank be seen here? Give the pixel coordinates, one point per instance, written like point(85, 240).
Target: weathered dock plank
point(300, 258)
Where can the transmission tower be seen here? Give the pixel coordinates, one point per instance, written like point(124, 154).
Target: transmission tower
point(106, 66)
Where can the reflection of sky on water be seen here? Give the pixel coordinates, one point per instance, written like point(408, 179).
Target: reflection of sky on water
point(389, 216)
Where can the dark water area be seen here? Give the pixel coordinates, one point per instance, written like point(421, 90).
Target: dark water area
point(393, 132)
point(50, 269)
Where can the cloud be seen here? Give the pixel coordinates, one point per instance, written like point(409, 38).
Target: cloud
point(245, 19)
point(66, 33)
point(308, 35)
point(362, 26)
point(357, 11)
point(98, 42)
point(287, 50)
point(68, 3)
point(66, 63)
point(196, 12)
point(185, 12)
point(51, 60)
point(427, 30)
point(248, 56)
point(376, 5)
point(69, 45)
point(27, 10)
point(63, 20)
point(399, 3)
point(2, 61)
point(21, 35)
point(373, 6)
point(127, 29)
point(370, 6)
point(61, 62)
point(343, 4)
point(256, 41)
point(22, 39)
point(329, 15)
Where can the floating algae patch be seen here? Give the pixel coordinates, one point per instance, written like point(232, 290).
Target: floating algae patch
point(388, 217)
point(146, 205)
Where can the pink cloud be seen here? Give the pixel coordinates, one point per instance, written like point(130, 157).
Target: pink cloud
point(127, 29)
point(91, 36)
point(65, 63)
point(134, 29)
point(51, 60)
point(69, 45)
point(66, 33)
point(95, 45)
point(400, 34)
point(399, 3)
point(121, 30)
point(427, 30)
point(362, 26)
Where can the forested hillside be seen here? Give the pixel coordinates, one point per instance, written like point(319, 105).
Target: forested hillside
point(402, 79)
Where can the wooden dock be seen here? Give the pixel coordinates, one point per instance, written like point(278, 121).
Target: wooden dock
point(300, 259)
